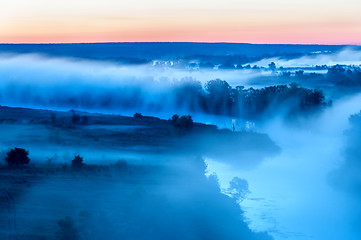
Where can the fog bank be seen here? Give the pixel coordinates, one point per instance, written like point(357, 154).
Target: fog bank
point(291, 194)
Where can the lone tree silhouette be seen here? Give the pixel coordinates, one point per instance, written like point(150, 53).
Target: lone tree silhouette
point(77, 162)
point(17, 156)
point(138, 115)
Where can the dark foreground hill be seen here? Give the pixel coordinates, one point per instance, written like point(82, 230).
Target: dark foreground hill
point(161, 192)
point(53, 133)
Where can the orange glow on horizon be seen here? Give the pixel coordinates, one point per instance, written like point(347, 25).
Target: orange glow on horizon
point(278, 33)
point(259, 21)
point(261, 37)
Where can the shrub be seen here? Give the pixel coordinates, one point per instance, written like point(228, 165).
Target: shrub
point(184, 122)
point(238, 189)
point(138, 115)
point(77, 162)
point(77, 119)
point(17, 156)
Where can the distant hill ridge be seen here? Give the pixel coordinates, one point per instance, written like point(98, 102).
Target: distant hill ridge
point(165, 50)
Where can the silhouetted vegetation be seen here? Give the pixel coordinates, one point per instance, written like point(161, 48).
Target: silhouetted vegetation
point(238, 189)
point(272, 66)
point(219, 98)
point(138, 115)
point(77, 163)
point(17, 157)
point(344, 75)
point(184, 122)
point(215, 97)
point(77, 119)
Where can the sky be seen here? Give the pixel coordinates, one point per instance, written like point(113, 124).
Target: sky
point(251, 21)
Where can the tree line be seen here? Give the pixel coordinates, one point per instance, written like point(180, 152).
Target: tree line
point(219, 98)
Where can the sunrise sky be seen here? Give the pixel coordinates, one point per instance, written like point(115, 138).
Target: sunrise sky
point(252, 21)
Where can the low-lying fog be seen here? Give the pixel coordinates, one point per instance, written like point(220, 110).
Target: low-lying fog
point(63, 83)
point(348, 56)
point(52, 83)
point(292, 192)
